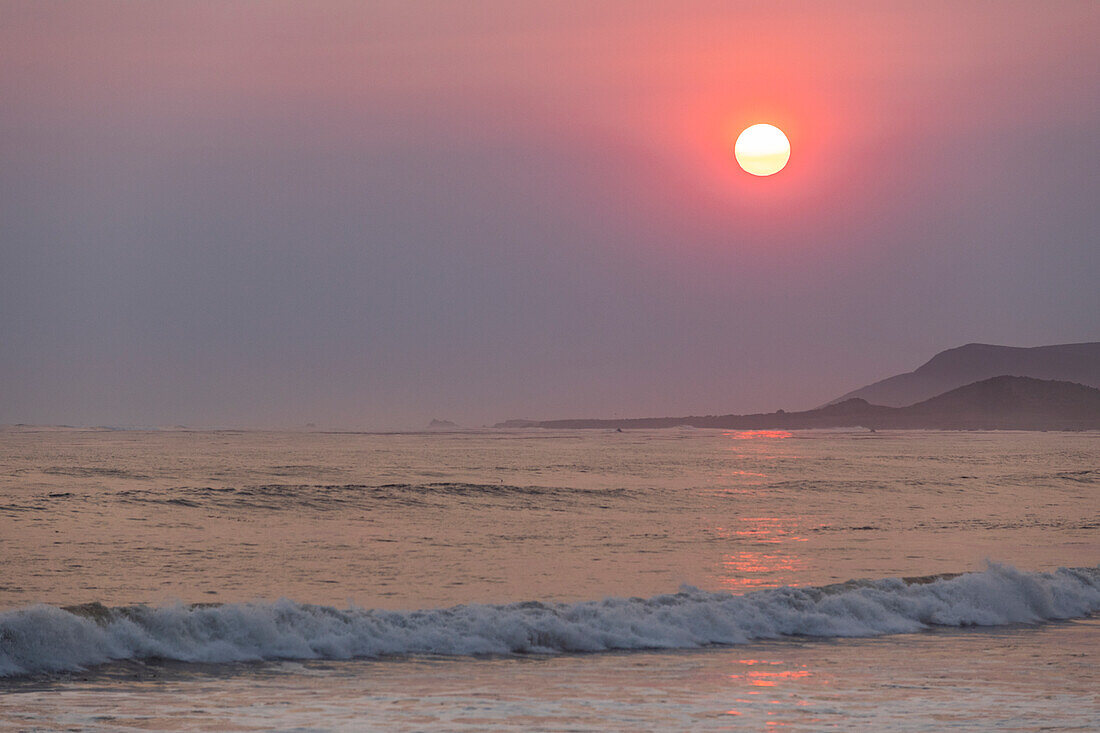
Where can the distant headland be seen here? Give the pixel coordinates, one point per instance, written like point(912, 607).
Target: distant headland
point(965, 365)
point(1000, 403)
point(1042, 388)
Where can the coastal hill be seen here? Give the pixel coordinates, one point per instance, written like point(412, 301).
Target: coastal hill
point(973, 362)
point(999, 403)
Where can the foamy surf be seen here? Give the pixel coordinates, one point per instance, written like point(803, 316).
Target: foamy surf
point(42, 639)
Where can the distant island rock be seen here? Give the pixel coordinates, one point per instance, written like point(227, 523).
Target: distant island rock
point(517, 424)
point(964, 365)
point(442, 425)
point(999, 403)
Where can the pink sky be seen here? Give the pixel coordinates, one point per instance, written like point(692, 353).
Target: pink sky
point(373, 214)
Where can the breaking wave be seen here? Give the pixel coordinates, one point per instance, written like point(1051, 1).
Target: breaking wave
point(42, 639)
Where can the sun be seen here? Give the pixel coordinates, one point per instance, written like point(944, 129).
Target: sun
point(762, 149)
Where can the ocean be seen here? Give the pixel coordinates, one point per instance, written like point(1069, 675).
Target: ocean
point(487, 580)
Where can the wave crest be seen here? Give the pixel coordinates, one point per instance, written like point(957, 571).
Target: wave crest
point(41, 639)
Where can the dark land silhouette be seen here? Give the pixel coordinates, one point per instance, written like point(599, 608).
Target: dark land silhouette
point(437, 424)
point(998, 403)
point(974, 362)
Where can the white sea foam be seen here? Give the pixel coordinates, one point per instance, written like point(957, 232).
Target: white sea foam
point(41, 639)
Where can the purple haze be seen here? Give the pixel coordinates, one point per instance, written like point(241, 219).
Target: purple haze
point(369, 215)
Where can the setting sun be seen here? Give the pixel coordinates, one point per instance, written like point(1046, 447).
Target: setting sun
point(762, 150)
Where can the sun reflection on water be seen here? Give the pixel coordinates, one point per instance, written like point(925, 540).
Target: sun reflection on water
point(781, 681)
point(758, 434)
point(768, 567)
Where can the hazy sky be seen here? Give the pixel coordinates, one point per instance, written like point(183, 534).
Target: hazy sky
point(370, 214)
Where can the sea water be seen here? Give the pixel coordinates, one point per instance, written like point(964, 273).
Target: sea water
point(557, 580)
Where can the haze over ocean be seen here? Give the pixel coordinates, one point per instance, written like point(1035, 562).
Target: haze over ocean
point(369, 216)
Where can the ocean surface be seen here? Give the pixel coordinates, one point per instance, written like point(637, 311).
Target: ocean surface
point(549, 580)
